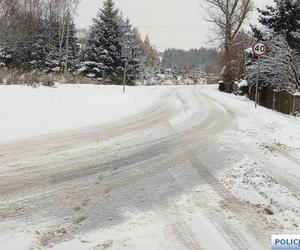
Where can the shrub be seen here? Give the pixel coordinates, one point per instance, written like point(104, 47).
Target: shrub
point(221, 86)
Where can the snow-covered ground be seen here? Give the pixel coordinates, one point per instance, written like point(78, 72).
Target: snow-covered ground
point(270, 181)
point(27, 112)
point(262, 123)
point(197, 169)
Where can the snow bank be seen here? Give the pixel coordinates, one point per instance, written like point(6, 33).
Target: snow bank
point(276, 137)
point(242, 83)
point(27, 111)
point(264, 124)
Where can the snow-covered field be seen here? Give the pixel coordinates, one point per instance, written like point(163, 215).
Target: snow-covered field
point(27, 112)
point(194, 169)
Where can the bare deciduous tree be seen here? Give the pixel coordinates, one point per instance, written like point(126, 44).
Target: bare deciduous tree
point(25, 20)
point(228, 16)
point(64, 8)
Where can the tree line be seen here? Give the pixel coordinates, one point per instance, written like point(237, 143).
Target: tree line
point(37, 34)
point(40, 35)
point(207, 60)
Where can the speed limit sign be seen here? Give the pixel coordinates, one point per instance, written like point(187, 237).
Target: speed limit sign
point(259, 48)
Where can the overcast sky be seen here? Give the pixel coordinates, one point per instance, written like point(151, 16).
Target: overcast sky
point(169, 23)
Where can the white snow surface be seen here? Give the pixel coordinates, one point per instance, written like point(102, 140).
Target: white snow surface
point(277, 137)
point(275, 131)
point(28, 112)
point(25, 111)
point(242, 83)
point(18, 241)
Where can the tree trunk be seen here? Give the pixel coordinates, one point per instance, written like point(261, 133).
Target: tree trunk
point(67, 44)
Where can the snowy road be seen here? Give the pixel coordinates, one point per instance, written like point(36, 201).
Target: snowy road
point(189, 172)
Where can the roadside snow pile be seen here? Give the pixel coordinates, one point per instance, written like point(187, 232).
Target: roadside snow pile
point(274, 140)
point(27, 111)
point(261, 124)
point(246, 179)
point(242, 83)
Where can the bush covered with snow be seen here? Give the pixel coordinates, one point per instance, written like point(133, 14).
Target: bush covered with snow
point(278, 69)
point(221, 86)
point(161, 79)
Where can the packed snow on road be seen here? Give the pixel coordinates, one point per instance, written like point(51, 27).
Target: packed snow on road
point(177, 167)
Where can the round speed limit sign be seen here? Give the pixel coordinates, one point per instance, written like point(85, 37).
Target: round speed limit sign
point(259, 48)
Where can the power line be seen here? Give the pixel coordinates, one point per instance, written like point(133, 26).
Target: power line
point(170, 26)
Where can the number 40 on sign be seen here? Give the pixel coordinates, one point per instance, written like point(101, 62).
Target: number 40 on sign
point(259, 48)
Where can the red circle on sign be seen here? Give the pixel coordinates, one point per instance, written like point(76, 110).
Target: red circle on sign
point(259, 48)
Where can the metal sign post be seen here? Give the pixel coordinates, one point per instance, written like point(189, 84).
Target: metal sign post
point(126, 54)
point(257, 84)
point(125, 75)
point(259, 49)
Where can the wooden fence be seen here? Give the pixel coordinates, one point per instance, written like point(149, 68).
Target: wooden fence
point(282, 101)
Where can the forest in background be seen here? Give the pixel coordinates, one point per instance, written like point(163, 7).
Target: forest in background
point(39, 42)
point(206, 60)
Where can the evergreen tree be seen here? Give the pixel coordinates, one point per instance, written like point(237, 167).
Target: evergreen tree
point(5, 55)
point(134, 44)
point(282, 19)
point(103, 53)
point(55, 59)
point(136, 68)
point(73, 46)
point(151, 54)
point(38, 49)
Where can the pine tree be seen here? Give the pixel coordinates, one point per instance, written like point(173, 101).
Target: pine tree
point(282, 19)
point(5, 55)
point(134, 45)
point(73, 46)
point(38, 49)
point(136, 64)
point(151, 54)
point(55, 59)
point(102, 55)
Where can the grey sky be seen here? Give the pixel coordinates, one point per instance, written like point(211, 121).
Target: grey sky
point(182, 20)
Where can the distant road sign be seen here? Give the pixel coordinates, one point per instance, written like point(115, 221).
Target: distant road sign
point(259, 48)
point(126, 52)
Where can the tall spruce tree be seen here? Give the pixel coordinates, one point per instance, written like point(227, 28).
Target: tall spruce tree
point(55, 59)
point(151, 54)
point(38, 49)
point(134, 43)
point(136, 65)
point(282, 19)
point(73, 46)
point(103, 53)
